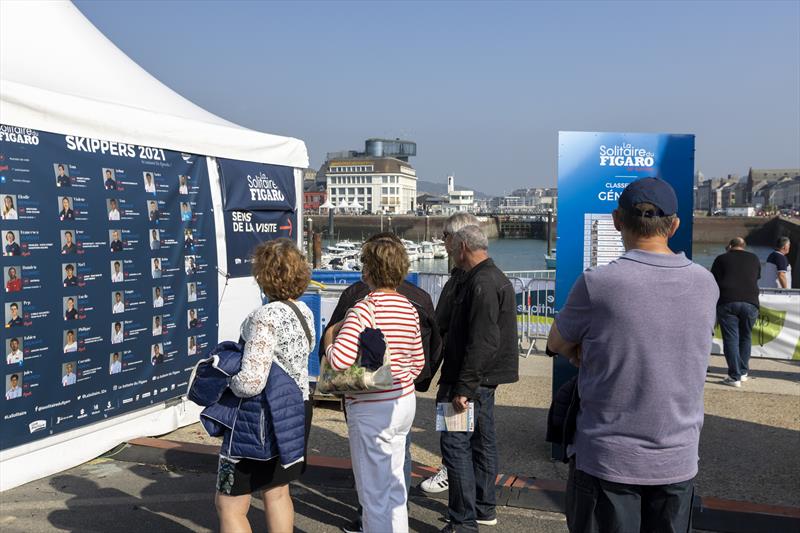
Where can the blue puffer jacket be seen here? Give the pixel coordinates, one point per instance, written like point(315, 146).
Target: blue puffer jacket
point(270, 424)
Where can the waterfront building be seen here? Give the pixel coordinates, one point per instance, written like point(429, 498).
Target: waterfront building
point(458, 200)
point(379, 179)
point(313, 195)
point(786, 193)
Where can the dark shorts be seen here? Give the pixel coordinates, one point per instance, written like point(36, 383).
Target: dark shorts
point(247, 476)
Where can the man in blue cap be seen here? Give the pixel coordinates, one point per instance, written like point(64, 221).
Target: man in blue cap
point(639, 329)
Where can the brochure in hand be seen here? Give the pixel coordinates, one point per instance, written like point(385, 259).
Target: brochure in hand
point(448, 420)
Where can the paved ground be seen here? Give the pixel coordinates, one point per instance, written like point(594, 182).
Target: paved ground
point(748, 448)
point(106, 495)
point(749, 451)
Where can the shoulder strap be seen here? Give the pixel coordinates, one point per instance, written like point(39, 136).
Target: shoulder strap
point(303, 322)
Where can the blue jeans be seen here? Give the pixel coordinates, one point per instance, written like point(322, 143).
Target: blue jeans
point(736, 320)
point(471, 461)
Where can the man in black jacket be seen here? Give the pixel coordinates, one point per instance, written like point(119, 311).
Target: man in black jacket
point(480, 353)
point(431, 341)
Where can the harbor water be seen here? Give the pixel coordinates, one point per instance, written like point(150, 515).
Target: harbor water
point(528, 254)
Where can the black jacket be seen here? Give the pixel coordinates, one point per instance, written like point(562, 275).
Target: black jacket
point(562, 417)
point(421, 300)
point(481, 341)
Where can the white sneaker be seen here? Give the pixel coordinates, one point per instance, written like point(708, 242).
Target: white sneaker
point(487, 522)
point(731, 382)
point(437, 483)
point(744, 377)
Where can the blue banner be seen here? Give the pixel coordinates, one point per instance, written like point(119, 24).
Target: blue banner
point(593, 170)
point(259, 205)
point(110, 291)
point(244, 230)
point(256, 186)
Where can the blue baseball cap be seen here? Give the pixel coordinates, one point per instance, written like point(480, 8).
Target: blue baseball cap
point(652, 191)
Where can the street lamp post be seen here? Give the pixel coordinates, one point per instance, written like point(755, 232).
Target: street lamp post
point(310, 237)
point(549, 223)
point(390, 224)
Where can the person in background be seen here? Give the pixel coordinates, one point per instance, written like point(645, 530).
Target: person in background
point(186, 212)
point(272, 334)
point(639, 328)
point(438, 482)
point(192, 345)
point(781, 263)
point(188, 240)
point(737, 273)
point(12, 248)
point(66, 212)
point(156, 325)
point(183, 188)
point(193, 320)
point(480, 354)
point(9, 213)
point(62, 180)
point(13, 284)
point(431, 343)
point(379, 421)
point(69, 376)
point(156, 268)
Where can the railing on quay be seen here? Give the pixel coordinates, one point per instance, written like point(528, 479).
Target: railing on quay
point(535, 299)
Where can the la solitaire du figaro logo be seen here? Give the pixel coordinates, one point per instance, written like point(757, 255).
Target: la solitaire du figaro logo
point(626, 155)
point(18, 135)
point(264, 189)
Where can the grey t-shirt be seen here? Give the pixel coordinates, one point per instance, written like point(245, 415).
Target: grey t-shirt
point(645, 324)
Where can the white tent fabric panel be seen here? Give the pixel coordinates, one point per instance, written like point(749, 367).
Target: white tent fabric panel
point(84, 85)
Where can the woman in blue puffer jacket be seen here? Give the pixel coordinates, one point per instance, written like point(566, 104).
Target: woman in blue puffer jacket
point(273, 334)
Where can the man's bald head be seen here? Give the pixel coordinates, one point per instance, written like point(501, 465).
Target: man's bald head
point(737, 243)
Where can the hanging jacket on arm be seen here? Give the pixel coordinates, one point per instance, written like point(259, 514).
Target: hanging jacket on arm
point(270, 424)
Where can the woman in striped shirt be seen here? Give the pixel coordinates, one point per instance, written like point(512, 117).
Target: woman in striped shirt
point(379, 421)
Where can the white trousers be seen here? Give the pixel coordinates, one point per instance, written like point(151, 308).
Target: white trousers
point(377, 433)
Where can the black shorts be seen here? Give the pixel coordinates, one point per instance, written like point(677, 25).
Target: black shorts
point(247, 476)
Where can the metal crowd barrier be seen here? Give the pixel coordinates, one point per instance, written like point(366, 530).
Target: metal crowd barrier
point(535, 290)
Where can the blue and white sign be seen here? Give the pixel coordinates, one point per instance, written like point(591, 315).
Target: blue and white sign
point(259, 205)
point(593, 170)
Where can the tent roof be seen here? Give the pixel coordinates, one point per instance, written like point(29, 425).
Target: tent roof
point(84, 85)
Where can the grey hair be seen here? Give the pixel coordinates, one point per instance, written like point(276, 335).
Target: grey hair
point(458, 220)
point(781, 242)
point(472, 237)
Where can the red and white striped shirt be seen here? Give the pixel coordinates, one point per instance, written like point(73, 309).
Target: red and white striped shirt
point(396, 317)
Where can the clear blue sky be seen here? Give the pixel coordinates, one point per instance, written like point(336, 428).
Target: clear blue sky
point(483, 88)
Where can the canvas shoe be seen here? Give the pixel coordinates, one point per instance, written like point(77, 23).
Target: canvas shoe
point(481, 521)
point(437, 483)
point(729, 381)
point(744, 377)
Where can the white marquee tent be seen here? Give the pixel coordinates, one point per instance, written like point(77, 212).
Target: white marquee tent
point(56, 84)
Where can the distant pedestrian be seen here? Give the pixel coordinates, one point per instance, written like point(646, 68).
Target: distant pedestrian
point(778, 258)
point(639, 328)
point(737, 273)
point(480, 353)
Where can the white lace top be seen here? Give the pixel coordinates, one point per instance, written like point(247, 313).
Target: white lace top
point(273, 334)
